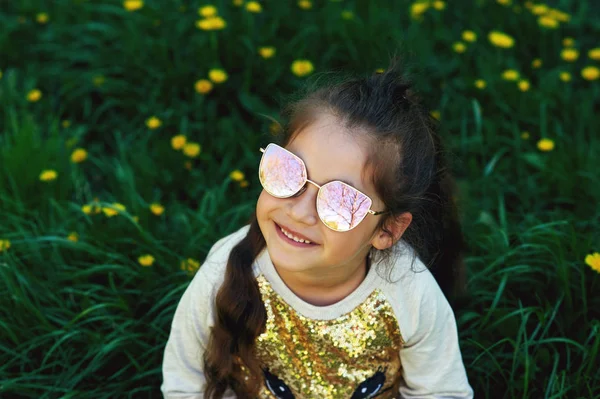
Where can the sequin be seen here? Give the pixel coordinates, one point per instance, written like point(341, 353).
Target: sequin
point(353, 356)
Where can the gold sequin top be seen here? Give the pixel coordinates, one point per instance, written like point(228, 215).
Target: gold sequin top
point(355, 355)
point(392, 337)
point(347, 350)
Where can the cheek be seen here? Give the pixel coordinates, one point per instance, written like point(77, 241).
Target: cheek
point(341, 242)
point(351, 240)
point(265, 204)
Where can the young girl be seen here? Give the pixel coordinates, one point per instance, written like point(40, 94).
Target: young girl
point(326, 293)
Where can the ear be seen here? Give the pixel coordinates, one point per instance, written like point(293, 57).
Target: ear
point(396, 226)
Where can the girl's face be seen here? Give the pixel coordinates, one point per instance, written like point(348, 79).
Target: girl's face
point(329, 153)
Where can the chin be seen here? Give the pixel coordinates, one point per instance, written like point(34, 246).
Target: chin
point(284, 260)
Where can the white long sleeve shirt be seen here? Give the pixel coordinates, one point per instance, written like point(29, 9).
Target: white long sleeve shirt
point(393, 338)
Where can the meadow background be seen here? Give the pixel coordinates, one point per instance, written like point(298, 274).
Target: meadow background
point(129, 136)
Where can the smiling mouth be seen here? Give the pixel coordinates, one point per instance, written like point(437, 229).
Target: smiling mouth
point(289, 238)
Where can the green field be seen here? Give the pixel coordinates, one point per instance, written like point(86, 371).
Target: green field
point(129, 136)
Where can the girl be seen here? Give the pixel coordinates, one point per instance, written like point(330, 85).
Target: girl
point(295, 305)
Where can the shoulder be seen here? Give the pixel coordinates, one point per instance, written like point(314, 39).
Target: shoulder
point(211, 274)
point(223, 246)
point(216, 260)
point(413, 292)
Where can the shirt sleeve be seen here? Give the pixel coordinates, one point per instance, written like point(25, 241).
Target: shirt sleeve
point(432, 366)
point(183, 375)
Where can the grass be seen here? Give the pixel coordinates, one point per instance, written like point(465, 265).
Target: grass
point(81, 317)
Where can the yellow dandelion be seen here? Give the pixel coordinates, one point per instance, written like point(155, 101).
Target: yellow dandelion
point(244, 183)
point(592, 260)
point(565, 76)
point(568, 42)
point(469, 36)
point(459, 47)
point(211, 23)
point(217, 75)
point(157, 208)
point(135, 219)
point(203, 86)
point(347, 15)
point(302, 67)
point(204, 24)
point(275, 128)
point(207, 11)
point(501, 39)
point(42, 18)
point(153, 123)
point(436, 114)
point(266, 52)
point(177, 142)
point(305, 4)
point(594, 54)
point(48, 175)
point(189, 265)
point(192, 150)
point(539, 9)
point(569, 54)
point(547, 21)
point(146, 260)
point(87, 209)
point(504, 2)
point(253, 6)
point(133, 5)
point(238, 3)
point(114, 209)
point(418, 9)
point(34, 95)
point(4, 245)
point(510, 74)
point(480, 84)
point(109, 212)
point(79, 155)
point(523, 85)
point(525, 135)
point(545, 145)
point(66, 123)
point(590, 73)
point(73, 236)
point(98, 80)
point(559, 15)
point(237, 175)
point(119, 206)
point(439, 5)
point(536, 63)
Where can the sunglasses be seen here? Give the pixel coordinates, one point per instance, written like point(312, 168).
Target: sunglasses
point(340, 206)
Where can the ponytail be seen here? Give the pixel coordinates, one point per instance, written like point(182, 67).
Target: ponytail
point(445, 243)
point(240, 319)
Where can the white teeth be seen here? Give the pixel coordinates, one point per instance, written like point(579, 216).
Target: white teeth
point(293, 237)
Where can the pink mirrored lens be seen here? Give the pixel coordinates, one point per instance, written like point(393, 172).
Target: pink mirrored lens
point(281, 173)
point(342, 207)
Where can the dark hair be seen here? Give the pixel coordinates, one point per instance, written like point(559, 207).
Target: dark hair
point(410, 174)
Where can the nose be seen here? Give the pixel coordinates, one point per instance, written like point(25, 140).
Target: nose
point(303, 209)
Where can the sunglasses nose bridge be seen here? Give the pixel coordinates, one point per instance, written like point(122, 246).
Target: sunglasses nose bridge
point(313, 183)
